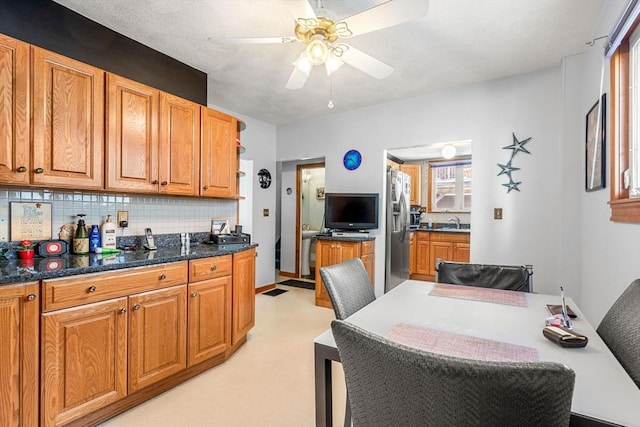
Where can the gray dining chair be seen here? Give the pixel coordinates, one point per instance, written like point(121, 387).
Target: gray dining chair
point(390, 384)
point(349, 290)
point(620, 330)
point(348, 286)
point(507, 277)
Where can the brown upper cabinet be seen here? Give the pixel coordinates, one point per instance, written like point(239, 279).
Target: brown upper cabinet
point(414, 172)
point(14, 111)
point(219, 161)
point(179, 146)
point(68, 122)
point(132, 111)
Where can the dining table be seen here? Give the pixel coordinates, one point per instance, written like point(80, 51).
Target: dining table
point(489, 324)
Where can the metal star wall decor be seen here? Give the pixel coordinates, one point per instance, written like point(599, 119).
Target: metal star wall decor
point(507, 168)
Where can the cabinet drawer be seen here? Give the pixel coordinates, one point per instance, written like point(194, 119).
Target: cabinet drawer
point(209, 268)
point(440, 236)
point(87, 288)
point(422, 235)
point(368, 247)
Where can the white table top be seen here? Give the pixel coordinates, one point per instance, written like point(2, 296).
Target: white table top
point(603, 389)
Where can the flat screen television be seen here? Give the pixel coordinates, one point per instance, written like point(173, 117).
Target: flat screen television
point(351, 211)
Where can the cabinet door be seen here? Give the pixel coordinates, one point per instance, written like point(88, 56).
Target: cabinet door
point(68, 122)
point(442, 250)
point(14, 112)
point(346, 250)
point(461, 252)
point(414, 171)
point(209, 308)
point(157, 335)
point(324, 256)
point(132, 135)
point(243, 294)
point(179, 168)
point(219, 161)
point(422, 256)
point(19, 331)
point(84, 360)
point(412, 253)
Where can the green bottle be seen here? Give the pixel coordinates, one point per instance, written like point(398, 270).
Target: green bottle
point(81, 238)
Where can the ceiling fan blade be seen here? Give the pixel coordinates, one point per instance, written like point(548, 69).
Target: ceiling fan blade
point(254, 40)
point(385, 15)
point(297, 79)
point(366, 63)
point(300, 9)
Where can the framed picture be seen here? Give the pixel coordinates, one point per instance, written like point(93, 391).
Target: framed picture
point(595, 141)
point(320, 193)
point(30, 221)
point(220, 226)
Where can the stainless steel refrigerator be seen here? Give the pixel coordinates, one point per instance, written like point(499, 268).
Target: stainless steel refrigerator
point(397, 229)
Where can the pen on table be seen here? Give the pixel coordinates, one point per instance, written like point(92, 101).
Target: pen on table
point(565, 316)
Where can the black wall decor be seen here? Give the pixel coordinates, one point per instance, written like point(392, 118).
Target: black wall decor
point(51, 26)
point(264, 177)
point(507, 168)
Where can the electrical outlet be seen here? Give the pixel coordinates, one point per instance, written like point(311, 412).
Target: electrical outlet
point(123, 219)
point(265, 212)
point(497, 213)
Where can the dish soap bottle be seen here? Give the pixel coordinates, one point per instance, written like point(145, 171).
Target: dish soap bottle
point(81, 238)
point(108, 230)
point(94, 238)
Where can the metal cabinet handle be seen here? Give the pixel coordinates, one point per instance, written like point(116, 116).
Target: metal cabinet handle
point(163, 276)
point(91, 289)
point(214, 267)
point(21, 169)
point(206, 187)
point(39, 170)
point(136, 306)
point(31, 297)
point(163, 183)
point(123, 310)
point(155, 181)
point(194, 294)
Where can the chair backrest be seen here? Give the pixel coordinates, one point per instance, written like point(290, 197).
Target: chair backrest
point(620, 330)
point(348, 286)
point(508, 277)
point(390, 384)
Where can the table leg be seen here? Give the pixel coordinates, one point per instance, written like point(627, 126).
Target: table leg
point(324, 399)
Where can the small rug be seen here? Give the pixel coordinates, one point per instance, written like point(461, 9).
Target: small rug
point(274, 292)
point(298, 284)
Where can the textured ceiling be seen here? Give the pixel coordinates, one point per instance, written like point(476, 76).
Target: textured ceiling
point(458, 42)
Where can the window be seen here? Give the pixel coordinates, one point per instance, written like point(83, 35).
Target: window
point(624, 68)
point(450, 186)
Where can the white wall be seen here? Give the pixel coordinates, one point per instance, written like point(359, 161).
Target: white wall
point(609, 252)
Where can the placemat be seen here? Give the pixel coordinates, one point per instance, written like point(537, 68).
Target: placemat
point(458, 345)
point(497, 296)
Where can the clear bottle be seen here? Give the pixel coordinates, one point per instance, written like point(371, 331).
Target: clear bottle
point(108, 231)
point(94, 238)
point(81, 238)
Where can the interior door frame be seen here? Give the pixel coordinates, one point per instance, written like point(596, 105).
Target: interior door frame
point(299, 169)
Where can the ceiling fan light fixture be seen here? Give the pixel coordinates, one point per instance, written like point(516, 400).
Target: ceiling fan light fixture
point(317, 52)
point(303, 64)
point(332, 64)
point(448, 151)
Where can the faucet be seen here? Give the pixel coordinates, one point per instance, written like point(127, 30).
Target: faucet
point(456, 220)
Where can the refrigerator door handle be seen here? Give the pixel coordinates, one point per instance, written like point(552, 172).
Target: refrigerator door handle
point(403, 217)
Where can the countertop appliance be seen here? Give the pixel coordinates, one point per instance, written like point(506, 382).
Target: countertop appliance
point(398, 229)
point(414, 219)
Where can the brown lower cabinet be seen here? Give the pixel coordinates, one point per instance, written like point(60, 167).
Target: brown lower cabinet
point(19, 326)
point(432, 245)
point(329, 252)
point(111, 340)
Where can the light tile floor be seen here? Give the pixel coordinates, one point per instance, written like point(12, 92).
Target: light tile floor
point(267, 382)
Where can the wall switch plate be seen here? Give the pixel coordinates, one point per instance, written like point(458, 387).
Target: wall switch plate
point(123, 219)
point(497, 213)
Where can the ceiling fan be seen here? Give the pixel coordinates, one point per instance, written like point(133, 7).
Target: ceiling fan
point(323, 36)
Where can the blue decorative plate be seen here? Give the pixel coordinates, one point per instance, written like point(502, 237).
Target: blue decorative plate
point(352, 159)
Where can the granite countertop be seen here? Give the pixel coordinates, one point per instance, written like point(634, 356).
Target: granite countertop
point(18, 270)
point(345, 239)
point(464, 228)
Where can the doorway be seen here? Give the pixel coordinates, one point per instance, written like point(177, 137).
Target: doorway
point(310, 182)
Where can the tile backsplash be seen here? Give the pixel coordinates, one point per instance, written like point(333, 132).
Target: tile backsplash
point(163, 214)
